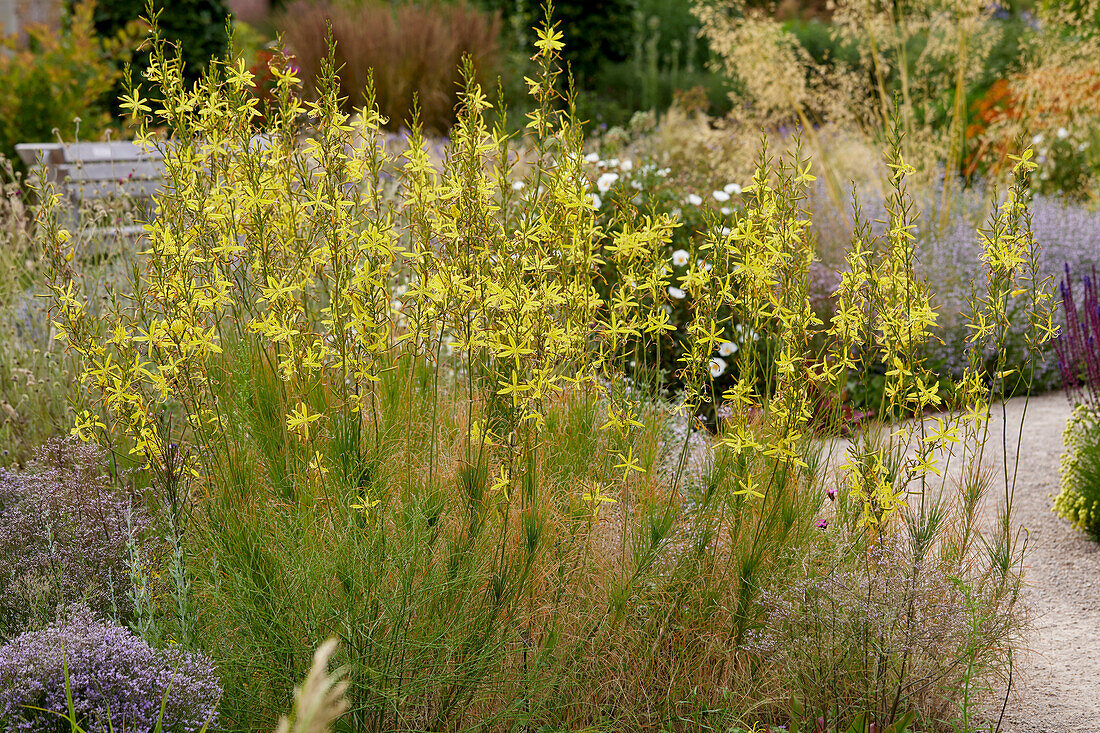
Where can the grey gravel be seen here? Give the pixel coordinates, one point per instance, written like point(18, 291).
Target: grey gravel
point(1057, 680)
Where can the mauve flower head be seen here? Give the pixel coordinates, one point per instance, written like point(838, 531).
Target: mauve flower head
point(63, 536)
point(110, 672)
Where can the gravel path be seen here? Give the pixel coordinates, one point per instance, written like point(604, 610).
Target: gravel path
point(1057, 685)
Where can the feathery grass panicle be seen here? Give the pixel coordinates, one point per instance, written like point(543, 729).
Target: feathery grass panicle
point(321, 699)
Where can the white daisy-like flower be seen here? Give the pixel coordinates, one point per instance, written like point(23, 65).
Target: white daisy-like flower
point(717, 367)
point(627, 165)
point(675, 292)
point(595, 199)
point(636, 184)
point(720, 196)
point(613, 163)
point(695, 199)
point(518, 185)
point(680, 257)
point(1063, 133)
point(662, 172)
point(606, 181)
point(676, 213)
point(726, 211)
point(704, 265)
point(591, 157)
point(733, 189)
point(726, 348)
point(1038, 139)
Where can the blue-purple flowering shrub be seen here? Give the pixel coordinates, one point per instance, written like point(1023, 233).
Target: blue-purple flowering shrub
point(64, 529)
point(111, 672)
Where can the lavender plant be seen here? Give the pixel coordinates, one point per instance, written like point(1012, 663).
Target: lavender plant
point(64, 536)
point(111, 678)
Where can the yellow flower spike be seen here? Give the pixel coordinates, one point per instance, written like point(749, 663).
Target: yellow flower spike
point(300, 419)
point(749, 487)
point(596, 498)
point(363, 503)
point(628, 463)
point(317, 465)
point(502, 483)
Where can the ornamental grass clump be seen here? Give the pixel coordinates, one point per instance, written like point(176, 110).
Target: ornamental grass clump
point(99, 676)
point(430, 420)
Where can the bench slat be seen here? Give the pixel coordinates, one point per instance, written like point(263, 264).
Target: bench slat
point(135, 188)
point(108, 151)
point(120, 170)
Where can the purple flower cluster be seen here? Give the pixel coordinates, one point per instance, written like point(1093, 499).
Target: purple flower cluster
point(1077, 348)
point(63, 536)
point(111, 672)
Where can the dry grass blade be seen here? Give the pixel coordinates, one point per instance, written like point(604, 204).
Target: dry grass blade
point(320, 701)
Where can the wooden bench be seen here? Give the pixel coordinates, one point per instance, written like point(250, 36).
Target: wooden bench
point(91, 172)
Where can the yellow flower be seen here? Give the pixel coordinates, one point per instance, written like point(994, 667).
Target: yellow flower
point(300, 418)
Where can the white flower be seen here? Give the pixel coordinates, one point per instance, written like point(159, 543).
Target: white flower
point(592, 157)
point(717, 367)
point(518, 185)
point(733, 189)
point(680, 257)
point(704, 265)
point(676, 212)
point(666, 309)
point(605, 181)
point(720, 196)
point(726, 211)
point(694, 200)
point(1037, 140)
point(595, 199)
point(613, 163)
point(675, 292)
point(636, 184)
point(627, 165)
point(726, 348)
point(662, 172)
point(1063, 133)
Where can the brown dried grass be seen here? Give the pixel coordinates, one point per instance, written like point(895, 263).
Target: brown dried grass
point(414, 52)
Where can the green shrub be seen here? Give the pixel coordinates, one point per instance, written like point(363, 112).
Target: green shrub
point(1079, 499)
point(59, 76)
point(196, 27)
